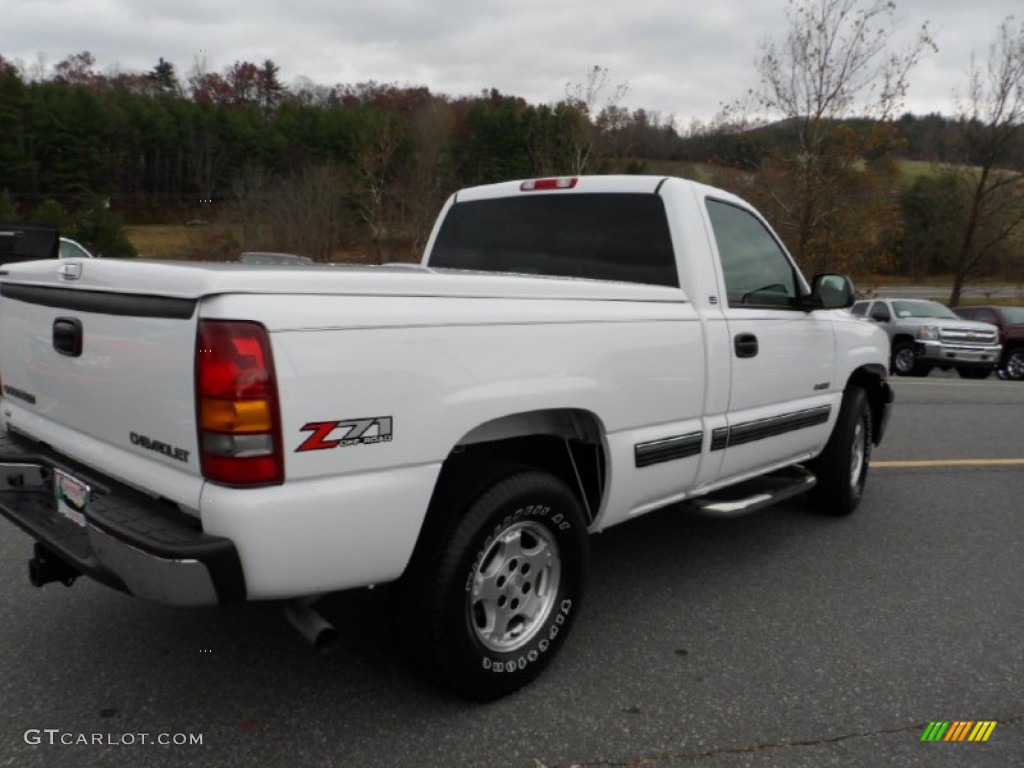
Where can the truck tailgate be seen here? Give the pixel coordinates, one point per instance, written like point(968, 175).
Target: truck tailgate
point(96, 373)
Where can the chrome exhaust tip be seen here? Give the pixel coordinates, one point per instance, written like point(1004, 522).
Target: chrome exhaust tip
point(317, 631)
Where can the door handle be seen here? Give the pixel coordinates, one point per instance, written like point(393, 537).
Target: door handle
point(67, 336)
point(745, 345)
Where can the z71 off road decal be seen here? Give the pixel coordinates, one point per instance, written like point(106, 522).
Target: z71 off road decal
point(346, 433)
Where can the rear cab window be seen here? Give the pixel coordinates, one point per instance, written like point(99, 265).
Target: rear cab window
point(599, 236)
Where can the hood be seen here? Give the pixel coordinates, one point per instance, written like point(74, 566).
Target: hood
point(947, 322)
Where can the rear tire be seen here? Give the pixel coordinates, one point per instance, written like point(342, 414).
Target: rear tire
point(842, 468)
point(484, 608)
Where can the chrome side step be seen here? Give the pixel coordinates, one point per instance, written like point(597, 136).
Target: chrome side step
point(754, 494)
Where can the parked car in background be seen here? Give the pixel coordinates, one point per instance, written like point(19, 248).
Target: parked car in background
point(27, 242)
point(20, 241)
point(1010, 322)
point(925, 334)
point(70, 249)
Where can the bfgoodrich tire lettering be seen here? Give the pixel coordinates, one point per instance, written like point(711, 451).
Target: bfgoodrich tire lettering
point(842, 468)
point(501, 592)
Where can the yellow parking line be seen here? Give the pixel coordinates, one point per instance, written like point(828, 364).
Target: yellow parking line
point(949, 463)
point(953, 382)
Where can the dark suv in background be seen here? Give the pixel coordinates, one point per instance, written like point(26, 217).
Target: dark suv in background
point(1010, 322)
point(21, 241)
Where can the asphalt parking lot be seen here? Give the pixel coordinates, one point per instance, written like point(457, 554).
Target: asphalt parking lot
point(778, 639)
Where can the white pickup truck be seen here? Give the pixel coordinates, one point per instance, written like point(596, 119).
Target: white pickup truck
point(572, 353)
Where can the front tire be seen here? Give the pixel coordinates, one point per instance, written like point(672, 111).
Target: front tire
point(903, 358)
point(490, 605)
point(842, 468)
point(904, 361)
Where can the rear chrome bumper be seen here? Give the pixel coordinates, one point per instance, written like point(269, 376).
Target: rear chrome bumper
point(129, 541)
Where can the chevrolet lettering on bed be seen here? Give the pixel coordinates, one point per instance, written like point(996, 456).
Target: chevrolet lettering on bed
point(155, 445)
point(571, 353)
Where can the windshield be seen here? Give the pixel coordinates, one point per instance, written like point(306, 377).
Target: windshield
point(1014, 315)
point(922, 309)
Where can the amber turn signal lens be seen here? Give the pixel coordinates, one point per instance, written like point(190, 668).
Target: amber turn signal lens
point(235, 415)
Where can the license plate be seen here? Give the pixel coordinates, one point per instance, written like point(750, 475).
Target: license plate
point(72, 496)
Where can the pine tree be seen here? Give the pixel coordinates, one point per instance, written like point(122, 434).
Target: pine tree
point(164, 78)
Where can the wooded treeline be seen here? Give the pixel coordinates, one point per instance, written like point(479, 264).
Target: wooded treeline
point(322, 170)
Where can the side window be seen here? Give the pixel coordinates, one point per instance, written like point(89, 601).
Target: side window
point(860, 308)
point(880, 312)
point(69, 250)
point(757, 272)
point(986, 316)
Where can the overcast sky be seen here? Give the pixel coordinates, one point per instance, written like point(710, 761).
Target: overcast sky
point(680, 57)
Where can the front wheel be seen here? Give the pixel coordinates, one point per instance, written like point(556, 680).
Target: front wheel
point(493, 602)
point(842, 468)
point(903, 358)
point(904, 361)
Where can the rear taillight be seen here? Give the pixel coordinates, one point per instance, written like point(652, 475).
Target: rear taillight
point(236, 404)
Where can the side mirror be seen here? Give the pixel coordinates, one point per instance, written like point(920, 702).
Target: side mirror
point(831, 291)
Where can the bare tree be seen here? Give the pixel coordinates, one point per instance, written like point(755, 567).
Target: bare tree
point(37, 70)
point(252, 205)
point(376, 159)
point(309, 214)
point(431, 177)
point(597, 103)
point(836, 62)
point(992, 122)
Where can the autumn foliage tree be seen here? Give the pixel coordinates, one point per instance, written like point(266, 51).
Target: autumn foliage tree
point(991, 177)
point(830, 190)
point(346, 170)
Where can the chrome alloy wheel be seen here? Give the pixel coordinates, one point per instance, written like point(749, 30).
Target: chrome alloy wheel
point(1015, 365)
point(857, 452)
point(514, 586)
